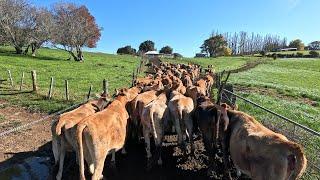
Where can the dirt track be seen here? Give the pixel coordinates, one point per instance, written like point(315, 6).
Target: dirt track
point(36, 142)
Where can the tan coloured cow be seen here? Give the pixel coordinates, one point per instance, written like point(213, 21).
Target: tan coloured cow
point(180, 108)
point(153, 119)
point(101, 133)
point(64, 130)
point(261, 153)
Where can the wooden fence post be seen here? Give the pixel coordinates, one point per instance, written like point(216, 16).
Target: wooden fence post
point(50, 88)
point(21, 82)
point(105, 86)
point(67, 89)
point(10, 78)
point(132, 82)
point(89, 93)
point(34, 81)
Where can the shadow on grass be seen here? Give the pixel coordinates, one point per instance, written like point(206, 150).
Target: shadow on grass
point(38, 57)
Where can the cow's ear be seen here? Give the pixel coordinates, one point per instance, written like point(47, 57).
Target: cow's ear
point(224, 105)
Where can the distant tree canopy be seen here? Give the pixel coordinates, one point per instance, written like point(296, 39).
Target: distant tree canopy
point(127, 50)
point(146, 46)
point(166, 50)
point(67, 26)
point(214, 46)
point(315, 45)
point(16, 23)
point(297, 43)
point(75, 28)
point(177, 55)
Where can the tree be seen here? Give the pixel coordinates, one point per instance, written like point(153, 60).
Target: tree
point(315, 45)
point(126, 50)
point(177, 55)
point(16, 23)
point(146, 46)
point(314, 54)
point(42, 31)
point(166, 50)
point(297, 43)
point(74, 29)
point(227, 51)
point(214, 45)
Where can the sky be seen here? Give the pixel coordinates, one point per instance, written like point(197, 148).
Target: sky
point(185, 24)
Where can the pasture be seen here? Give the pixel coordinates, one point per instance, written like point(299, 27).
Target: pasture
point(289, 87)
point(53, 63)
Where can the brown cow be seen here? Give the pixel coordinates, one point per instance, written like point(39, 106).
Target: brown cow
point(101, 133)
point(64, 130)
point(153, 119)
point(203, 85)
point(186, 80)
point(261, 153)
point(180, 108)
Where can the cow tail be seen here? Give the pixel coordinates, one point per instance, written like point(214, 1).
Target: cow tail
point(153, 125)
point(59, 127)
point(217, 123)
point(80, 144)
point(300, 161)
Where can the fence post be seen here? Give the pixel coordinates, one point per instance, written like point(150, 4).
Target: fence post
point(21, 82)
point(132, 82)
point(34, 81)
point(105, 86)
point(50, 88)
point(10, 78)
point(89, 93)
point(67, 89)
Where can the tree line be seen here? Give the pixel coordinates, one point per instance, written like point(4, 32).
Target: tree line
point(244, 43)
point(66, 26)
point(144, 47)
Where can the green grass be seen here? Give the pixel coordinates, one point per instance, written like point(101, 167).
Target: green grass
point(219, 63)
point(306, 52)
point(53, 63)
point(298, 77)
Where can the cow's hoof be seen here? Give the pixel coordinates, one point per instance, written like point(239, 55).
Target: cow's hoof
point(113, 165)
point(149, 164)
point(123, 151)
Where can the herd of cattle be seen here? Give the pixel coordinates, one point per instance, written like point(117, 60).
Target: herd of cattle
point(176, 98)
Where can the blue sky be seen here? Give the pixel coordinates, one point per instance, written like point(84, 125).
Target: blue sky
point(184, 24)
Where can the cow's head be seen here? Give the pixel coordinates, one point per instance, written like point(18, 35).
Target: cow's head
point(103, 102)
point(223, 109)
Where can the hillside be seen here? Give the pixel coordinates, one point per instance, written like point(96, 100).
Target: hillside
point(53, 63)
point(289, 87)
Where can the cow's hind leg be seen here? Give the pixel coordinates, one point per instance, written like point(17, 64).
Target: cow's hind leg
point(61, 158)
point(100, 156)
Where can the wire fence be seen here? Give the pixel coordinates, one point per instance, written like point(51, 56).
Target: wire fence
point(294, 131)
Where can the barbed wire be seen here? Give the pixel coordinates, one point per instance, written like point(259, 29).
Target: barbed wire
point(5, 133)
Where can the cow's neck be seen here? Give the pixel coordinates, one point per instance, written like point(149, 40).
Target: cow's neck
point(122, 100)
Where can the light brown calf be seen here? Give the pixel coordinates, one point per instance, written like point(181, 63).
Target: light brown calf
point(180, 108)
point(153, 119)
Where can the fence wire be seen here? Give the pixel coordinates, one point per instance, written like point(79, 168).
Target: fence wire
point(294, 131)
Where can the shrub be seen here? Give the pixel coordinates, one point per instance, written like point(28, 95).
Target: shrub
point(299, 54)
point(227, 51)
point(126, 50)
point(263, 53)
point(314, 54)
point(177, 55)
point(274, 56)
